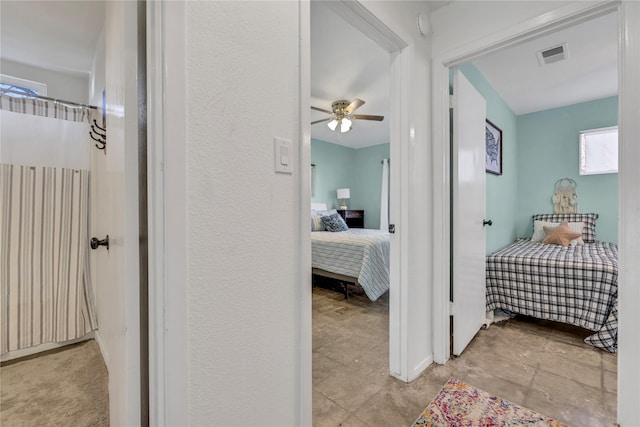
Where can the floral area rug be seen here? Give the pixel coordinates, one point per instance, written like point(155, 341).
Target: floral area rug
point(459, 404)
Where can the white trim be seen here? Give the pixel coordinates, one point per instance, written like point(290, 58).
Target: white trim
point(560, 18)
point(399, 216)
point(629, 206)
point(371, 26)
point(366, 22)
point(168, 339)
point(305, 414)
point(563, 17)
point(155, 149)
point(417, 370)
point(441, 212)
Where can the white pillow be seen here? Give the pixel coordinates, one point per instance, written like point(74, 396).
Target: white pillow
point(539, 234)
point(327, 213)
point(316, 223)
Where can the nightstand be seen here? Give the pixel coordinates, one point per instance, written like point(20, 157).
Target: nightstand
point(353, 218)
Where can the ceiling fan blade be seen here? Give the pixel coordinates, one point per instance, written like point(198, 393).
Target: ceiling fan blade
point(323, 120)
point(321, 109)
point(355, 104)
point(367, 117)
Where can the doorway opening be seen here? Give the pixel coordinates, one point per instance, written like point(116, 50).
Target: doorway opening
point(514, 205)
point(355, 315)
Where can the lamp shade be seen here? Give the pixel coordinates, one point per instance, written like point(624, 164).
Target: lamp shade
point(343, 193)
point(345, 125)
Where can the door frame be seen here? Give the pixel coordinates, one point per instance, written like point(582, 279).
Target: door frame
point(168, 323)
point(629, 175)
point(167, 217)
point(358, 16)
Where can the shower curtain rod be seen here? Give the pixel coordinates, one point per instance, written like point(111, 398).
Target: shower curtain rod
point(46, 98)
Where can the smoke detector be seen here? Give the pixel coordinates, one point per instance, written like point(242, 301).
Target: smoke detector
point(553, 54)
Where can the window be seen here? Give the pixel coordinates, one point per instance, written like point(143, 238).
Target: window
point(599, 151)
point(27, 87)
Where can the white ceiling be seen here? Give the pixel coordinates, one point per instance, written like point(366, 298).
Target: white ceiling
point(345, 64)
point(590, 71)
point(56, 35)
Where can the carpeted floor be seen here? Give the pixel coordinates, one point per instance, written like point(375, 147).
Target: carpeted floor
point(64, 387)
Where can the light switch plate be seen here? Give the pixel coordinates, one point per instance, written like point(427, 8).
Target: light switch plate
point(283, 155)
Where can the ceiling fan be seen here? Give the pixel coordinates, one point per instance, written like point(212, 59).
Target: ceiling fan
point(342, 114)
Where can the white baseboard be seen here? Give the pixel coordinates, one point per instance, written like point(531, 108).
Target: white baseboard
point(424, 364)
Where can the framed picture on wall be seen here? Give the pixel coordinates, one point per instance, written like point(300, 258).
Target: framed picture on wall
point(493, 159)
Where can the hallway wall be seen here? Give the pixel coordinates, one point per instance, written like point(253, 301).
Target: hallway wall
point(242, 90)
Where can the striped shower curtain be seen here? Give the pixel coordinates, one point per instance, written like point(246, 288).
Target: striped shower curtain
point(45, 291)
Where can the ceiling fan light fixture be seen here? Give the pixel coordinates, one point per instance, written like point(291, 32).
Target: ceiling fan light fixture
point(345, 125)
point(333, 124)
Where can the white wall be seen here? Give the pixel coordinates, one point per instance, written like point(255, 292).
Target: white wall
point(463, 22)
point(242, 218)
point(114, 211)
point(67, 86)
point(242, 240)
point(413, 152)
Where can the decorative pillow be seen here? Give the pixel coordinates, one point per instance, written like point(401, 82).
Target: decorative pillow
point(589, 219)
point(334, 222)
point(560, 235)
point(539, 234)
point(316, 223)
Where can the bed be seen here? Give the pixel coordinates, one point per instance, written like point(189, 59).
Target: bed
point(356, 255)
point(577, 285)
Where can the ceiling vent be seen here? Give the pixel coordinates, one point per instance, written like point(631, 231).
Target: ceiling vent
point(553, 54)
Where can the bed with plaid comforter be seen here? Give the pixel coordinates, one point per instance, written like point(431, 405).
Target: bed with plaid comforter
point(576, 285)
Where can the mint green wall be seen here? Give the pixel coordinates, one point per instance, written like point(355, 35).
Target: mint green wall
point(368, 182)
point(549, 150)
point(342, 167)
point(502, 190)
point(334, 169)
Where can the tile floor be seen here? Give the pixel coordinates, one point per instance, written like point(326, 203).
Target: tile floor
point(542, 365)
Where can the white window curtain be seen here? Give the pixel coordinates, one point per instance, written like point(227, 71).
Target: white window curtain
point(384, 196)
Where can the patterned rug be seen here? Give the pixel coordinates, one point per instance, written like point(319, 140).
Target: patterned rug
point(459, 404)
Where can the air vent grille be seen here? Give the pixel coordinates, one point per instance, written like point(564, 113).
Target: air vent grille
point(553, 54)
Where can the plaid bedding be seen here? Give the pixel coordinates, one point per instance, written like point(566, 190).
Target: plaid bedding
point(576, 285)
point(357, 252)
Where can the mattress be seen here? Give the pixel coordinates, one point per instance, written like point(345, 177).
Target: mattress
point(357, 252)
point(576, 285)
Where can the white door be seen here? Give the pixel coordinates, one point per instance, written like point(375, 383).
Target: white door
point(468, 179)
